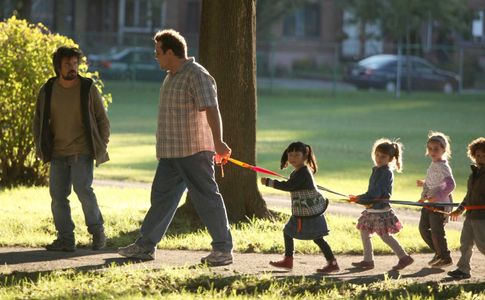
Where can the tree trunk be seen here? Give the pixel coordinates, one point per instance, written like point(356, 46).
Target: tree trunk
point(227, 49)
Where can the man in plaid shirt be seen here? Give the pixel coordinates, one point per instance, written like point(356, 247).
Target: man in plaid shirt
point(189, 131)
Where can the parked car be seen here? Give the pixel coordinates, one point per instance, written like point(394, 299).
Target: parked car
point(130, 63)
point(380, 72)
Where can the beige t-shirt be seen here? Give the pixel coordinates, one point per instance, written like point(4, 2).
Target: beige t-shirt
point(66, 121)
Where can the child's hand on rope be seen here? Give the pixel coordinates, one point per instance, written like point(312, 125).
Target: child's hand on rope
point(454, 215)
point(263, 180)
point(353, 198)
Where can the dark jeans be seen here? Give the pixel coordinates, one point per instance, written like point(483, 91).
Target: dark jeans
point(173, 176)
point(432, 229)
point(75, 171)
point(321, 243)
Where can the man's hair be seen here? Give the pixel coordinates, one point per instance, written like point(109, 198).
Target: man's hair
point(64, 52)
point(171, 39)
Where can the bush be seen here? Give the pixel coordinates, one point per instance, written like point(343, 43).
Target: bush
point(26, 59)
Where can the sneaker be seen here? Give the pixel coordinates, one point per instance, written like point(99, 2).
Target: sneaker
point(331, 266)
point(136, 251)
point(434, 260)
point(61, 245)
point(217, 258)
point(99, 240)
point(367, 265)
point(458, 274)
point(443, 262)
point(285, 263)
point(403, 262)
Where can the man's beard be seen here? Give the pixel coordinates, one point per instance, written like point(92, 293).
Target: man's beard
point(70, 76)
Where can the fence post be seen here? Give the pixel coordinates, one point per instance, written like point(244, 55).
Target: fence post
point(335, 66)
point(460, 72)
point(399, 69)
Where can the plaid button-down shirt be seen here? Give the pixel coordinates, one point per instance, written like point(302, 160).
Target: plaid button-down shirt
point(183, 129)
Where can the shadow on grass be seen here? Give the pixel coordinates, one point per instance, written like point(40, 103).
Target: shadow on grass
point(362, 287)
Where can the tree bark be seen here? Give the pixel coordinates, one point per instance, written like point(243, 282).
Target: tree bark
point(227, 49)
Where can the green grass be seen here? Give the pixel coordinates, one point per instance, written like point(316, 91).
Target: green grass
point(341, 129)
point(27, 221)
point(201, 283)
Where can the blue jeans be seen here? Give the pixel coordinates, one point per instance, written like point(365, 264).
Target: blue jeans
point(76, 171)
point(173, 176)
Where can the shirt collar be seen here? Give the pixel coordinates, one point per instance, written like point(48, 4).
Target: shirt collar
point(184, 66)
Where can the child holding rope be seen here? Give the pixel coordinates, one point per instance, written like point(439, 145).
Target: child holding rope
point(379, 217)
point(307, 204)
point(473, 231)
point(437, 187)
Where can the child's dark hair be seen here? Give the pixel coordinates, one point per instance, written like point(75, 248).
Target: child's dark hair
point(476, 145)
point(391, 148)
point(65, 52)
point(303, 148)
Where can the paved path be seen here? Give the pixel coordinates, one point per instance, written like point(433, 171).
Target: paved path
point(30, 261)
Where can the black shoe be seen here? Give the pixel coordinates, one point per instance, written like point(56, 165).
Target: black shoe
point(61, 245)
point(99, 240)
point(457, 274)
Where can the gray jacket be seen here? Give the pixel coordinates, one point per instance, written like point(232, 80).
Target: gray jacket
point(95, 121)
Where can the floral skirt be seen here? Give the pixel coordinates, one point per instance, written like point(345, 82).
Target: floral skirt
point(381, 223)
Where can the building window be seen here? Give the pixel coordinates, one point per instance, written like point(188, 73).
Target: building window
point(42, 12)
point(143, 15)
point(477, 26)
point(303, 22)
point(193, 17)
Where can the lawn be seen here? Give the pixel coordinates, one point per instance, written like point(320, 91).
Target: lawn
point(341, 130)
point(201, 283)
point(27, 221)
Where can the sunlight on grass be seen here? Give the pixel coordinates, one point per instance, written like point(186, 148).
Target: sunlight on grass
point(341, 130)
point(27, 221)
point(202, 283)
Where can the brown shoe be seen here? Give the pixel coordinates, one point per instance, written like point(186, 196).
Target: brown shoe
point(434, 260)
point(403, 262)
point(367, 265)
point(331, 266)
point(442, 263)
point(285, 263)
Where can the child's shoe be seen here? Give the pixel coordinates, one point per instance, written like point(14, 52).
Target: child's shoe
point(285, 263)
point(331, 266)
point(403, 262)
point(367, 265)
point(458, 274)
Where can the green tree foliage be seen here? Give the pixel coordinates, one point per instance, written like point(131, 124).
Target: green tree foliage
point(401, 19)
point(26, 64)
